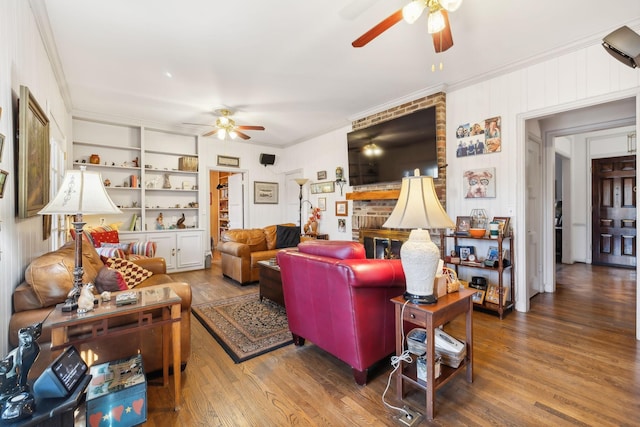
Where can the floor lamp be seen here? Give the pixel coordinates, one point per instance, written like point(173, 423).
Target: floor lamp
point(81, 192)
point(418, 207)
point(300, 182)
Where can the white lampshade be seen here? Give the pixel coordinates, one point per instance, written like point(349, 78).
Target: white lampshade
point(412, 11)
point(81, 192)
point(435, 21)
point(418, 207)
point(451, 5)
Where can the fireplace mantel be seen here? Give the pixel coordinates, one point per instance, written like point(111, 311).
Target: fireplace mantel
point(374, 195)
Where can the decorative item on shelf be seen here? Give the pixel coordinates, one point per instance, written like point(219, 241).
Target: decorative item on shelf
point(503, 225)
point(494, 229)
point(159, 222)
point(167, 182)
point(479, 218)
point(311, 227)
point(94, 159)
point(180, 224)
point(188, 164)
point(136, 162)
point(340, 181)
point(81, 192)
point(418, 206)
point(107, 182)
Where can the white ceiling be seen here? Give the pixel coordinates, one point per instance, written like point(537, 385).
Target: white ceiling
point(289, 65)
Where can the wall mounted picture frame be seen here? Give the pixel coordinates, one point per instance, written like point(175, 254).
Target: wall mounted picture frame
point(342, 225)
point(33, 156)
point(265, 192)
point(229, 161)
point(504, 224)
point(463, 224)
point(3, 181)
point(323, 187)
point(1, 146)
point(322, 203)
point(322, 175)
point(480, 183)
point(342, 208)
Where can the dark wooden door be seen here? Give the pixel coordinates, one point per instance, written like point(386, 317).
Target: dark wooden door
point(614, 211)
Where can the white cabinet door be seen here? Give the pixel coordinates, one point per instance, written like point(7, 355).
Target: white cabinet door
point(236, 197)
point(165, 247)
point(190, 250)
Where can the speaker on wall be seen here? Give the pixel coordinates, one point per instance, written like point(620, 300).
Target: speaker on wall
point(267, 159)
point(624, 45)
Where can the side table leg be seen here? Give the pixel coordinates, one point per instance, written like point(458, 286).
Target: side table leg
point(175, 335)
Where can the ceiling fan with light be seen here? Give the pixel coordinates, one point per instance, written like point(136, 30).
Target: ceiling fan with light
point(225, 126)
point(437, 22)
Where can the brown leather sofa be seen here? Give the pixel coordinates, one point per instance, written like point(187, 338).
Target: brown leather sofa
point(48, 280)
point(241, 249)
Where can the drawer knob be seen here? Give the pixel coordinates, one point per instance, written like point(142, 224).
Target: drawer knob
point(413, 316)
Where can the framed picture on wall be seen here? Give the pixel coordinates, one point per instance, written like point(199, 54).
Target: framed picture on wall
point(322, 203)
point(342, 208)
point(265, 192)
point(3, 181)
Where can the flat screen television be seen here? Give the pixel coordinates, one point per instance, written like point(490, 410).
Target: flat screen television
point(405, 143)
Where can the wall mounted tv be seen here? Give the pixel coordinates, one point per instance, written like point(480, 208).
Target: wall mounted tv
point(404, 144)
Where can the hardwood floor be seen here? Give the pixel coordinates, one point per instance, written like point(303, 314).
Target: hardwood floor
point(572, 360)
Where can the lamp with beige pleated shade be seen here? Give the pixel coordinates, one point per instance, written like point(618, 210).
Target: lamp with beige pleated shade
point(418, 208)
point(81, 192)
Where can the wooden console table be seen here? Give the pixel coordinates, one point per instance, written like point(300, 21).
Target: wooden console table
point(70, 328)
point(430, 316)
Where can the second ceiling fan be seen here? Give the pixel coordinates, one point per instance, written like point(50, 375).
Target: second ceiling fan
point(225, 126)
point(437, 22)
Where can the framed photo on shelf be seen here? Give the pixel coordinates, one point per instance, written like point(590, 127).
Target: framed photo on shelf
point(503, 229)
point(493, 294)
point(492, 254)
point(478, 296)
point(265, 192)
point(464, 251)
point(342, 208)
point(463, 224)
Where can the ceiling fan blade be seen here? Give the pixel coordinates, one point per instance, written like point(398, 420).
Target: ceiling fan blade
point(443, 40)
point(243, 135)
point(383, 26)
point(210, 132)
point(245, 127)
point(197, 124)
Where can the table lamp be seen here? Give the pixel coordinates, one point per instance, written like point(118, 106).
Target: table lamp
point(300, 182)
point(81, 192)
point(418, 207)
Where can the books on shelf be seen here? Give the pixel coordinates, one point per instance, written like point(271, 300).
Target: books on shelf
point(134, 219)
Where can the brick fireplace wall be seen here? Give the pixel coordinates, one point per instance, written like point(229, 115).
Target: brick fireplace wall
point(371, 214)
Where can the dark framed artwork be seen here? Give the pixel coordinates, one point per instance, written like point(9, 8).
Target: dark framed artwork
point(342, 208)
point(3, 182)
point(33, 155)
point(463, 224)
point(265, 192)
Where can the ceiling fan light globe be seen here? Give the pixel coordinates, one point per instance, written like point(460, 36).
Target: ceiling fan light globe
point(223, 121)
point(412, 11)
point(451, 5)
point(233, 134)
point(221, 133)
point(435, 22)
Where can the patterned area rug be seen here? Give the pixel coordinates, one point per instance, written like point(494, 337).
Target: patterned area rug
point(244, 326)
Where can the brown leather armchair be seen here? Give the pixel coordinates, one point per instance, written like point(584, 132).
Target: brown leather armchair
point(49, 278)
point(241, 249)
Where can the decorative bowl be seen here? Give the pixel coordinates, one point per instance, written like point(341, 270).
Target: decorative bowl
point(477, 232)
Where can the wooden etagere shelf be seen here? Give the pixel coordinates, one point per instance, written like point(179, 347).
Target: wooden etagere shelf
point(505, 302)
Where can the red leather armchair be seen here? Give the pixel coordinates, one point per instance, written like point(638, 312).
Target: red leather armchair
point(340, 301)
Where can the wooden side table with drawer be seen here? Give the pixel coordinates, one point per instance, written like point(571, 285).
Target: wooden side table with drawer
point(430, 316)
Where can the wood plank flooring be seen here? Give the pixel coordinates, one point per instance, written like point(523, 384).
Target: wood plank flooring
point(571, 361)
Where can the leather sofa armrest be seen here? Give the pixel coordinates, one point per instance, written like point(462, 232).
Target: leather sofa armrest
point(378, 273)
point(241, 250)
point(155, 265)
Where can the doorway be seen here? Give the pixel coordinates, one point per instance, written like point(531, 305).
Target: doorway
point(226, 203)
point(576, 223)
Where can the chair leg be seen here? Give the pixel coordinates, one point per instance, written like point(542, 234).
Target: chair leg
point(360, 376)
point(297, 340)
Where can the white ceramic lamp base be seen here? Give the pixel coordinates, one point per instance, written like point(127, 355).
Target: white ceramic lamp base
point(420, 257)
